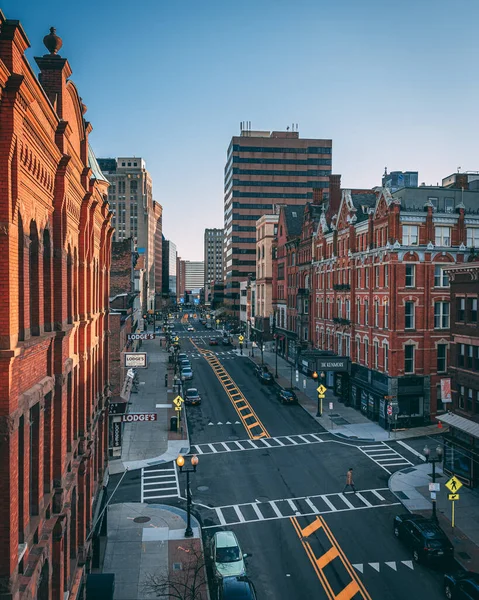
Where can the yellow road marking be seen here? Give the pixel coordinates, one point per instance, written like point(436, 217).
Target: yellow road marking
point(355, 586)
point(236, 397)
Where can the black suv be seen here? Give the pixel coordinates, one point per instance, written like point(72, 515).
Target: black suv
point(461, 586)
point(426, 539)
point(264, 375)
point(236, 588)
point(287, 396)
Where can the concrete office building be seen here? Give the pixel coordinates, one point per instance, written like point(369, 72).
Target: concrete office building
point(264, 169)
point(180, 278)
point(169, 270)
point(213, 255)
point(194, 275)
point(396, 180)
point(131, 200)
point(158, 241)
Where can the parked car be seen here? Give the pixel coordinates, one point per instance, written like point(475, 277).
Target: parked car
point(192, 397)
point(461, 586)
point(184, 364)
point(191, 328)
point(228, 560)
point(287, 396)
point(266, 377)
point(187, 373)
point(226, 341)
point(208, 325)
point(236, 588)
point(182, 356)
point(425, 538)
point(213, 342)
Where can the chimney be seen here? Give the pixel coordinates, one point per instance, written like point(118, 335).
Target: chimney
point(317, 196)
point(334, 194)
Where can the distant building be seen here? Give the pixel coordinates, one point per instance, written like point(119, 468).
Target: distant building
point(194, 275)
point(169, 270)
point(180, 278)
point(468, 180)
point(158, 242)
point(399, 179)
point(131, 200)
point(213, 255)
point(266, 232)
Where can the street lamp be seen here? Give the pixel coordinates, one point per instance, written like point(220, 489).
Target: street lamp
point(318, 411)
point(180, 461)
point(433, 460)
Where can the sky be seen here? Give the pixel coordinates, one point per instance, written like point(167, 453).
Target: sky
point(393, 84)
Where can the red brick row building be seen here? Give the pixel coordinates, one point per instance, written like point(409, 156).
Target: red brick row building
point(55, 239)
point(363, 276)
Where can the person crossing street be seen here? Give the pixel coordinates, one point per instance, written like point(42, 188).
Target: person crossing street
point(349, 481)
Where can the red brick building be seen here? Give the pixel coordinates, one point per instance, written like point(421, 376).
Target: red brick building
point(55, 246)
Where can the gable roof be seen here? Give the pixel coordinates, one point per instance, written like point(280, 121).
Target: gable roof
point(293, 217)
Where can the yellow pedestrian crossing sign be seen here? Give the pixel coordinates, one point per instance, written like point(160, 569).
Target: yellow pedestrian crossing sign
point(454, 485)
point(453, 497)
point(177, 407)
point(176, 338)
point(321, 389)
point(241, 338)
point(178, 401)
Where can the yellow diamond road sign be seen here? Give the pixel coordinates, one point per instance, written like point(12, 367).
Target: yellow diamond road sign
point(453, 497)
point(176, 338)
point(178, 401)
point(454, 485)
point(321, 389)
point(241, 338)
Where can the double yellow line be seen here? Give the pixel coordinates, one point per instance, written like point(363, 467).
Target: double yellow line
point(355, 586)
point(251, 422)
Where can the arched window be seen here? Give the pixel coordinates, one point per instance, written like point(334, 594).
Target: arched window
point(69, 286)
point(21, 281)
point(47, 281)
point(34, 281)
point(75, 284)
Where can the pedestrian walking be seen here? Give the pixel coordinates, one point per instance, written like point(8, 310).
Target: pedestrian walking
point(349, 481)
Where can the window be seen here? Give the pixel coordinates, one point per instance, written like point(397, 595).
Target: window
point(366, 271)
point(449, 205)
point(376, 276)
point(441, 315)
point(348, 310)
point(386, 314)
point(472, 237)
point(461, 309)
point(461, 396)
point(376, 313)
point(359, 277)
point(441, 358)
point(358, 312)
point(340, 308)
point(434, 202)
point(386, 276)
point(366, 311)
point(358, 350)
point(472, 309)
point(441, 278)
point(443, 236)
point(461, 355)
point(470, 354)
point(410, 275)
point(366, 351)
point(409, 359)
point(347, 344)
point(409, 315)
point(386, 358)
point(410, 235)
point(469, 399)
point(376, 355)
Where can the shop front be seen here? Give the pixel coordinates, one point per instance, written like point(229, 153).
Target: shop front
point(461, 449)
point(366, 393)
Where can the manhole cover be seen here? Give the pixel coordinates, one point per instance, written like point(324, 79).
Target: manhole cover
point(141, 519)
point(262, 499)
point(202, 488)
point(233, 437)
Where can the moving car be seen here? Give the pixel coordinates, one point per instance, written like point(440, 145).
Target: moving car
point(236, 588)
point(226, 341)
point(461, 586)
point(208, 325)
point(187, 373)
point(213, 342)
point(184, 363)
point(192, 397)
point(228, 560)
point(287, 396)
point(182, 356)
point(264, 375)
point(425, 538)
point(191, 328)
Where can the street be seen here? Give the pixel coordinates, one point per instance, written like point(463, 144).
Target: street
point(269, 472)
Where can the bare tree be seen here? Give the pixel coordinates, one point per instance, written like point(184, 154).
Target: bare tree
point(187, 583)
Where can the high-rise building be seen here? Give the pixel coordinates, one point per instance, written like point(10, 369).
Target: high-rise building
point(131, 201)
point(158, 212)
point(169, 269)
point(264, 169)
point(180, 278)
point(213, 255)
point(396, 180)
point(194, 275)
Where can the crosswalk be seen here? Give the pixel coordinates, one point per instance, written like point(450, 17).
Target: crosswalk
point(221, 355)
point(381, 566)
point(259, 444)
point(159, 482)
point(384, 456)
point(250, 512)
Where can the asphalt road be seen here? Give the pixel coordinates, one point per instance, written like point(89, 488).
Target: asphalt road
point(282, 494)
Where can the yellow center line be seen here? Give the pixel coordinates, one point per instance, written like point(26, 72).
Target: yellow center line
point(236, 396)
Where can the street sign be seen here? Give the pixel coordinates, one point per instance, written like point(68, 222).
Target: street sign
point(141, 336)
point(330, 406)
point(241, 338)
point(135, 360)
point(321, 389)
point(133, 417)
point(434, 487)
point(304, 383)
point(454, 485)
point(297, 376)
point(390, 410)
point(333, 364)
point(453, 497)
point(178, 408)
point(178, 401)
point(176, 338)
point(217, 321)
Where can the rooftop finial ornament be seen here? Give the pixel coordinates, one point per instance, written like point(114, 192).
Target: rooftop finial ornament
point(52, 42)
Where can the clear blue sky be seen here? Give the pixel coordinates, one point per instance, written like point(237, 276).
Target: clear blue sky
point(392, 83)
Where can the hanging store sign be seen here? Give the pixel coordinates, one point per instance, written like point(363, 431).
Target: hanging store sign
point(333, 364)
point(141, 336)
point(446, 395)
point(134, 417)
point(136, 360)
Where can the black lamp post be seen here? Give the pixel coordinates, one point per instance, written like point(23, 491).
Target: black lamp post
point(180, 461)
point(315, 377)
point(433, 460)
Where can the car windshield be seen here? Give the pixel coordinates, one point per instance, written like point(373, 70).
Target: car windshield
point(227, 555)
point(191, 392)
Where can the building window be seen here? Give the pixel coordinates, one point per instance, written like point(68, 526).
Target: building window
point(386, 276)
point(339, 339)
point(358, 350)
point(340, 308)
point(376, 355)
point(358, 312)
point(386, 358)
point(441, 315)
point(348, 309)
point(441, 278)
point(461, 355)
point(376, 276)
point(386, 314)
point(443, 236)
point(449, 205)
point(461, 309)
point(347, 345)
point(366, 274)
point(409, 315)
point(472, 309)
point(359, 277)
point(409, 359)
point(366, 351)
point(410, 235)
point(410, 275)
point(434, 202)
point(441, 358)
point(469, 399)
point(470, 354)
point(376, 313)
point(472, 237)
point(366, 312)
point(461, 396)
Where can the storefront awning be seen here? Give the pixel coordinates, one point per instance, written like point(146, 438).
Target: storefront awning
point(460, 423)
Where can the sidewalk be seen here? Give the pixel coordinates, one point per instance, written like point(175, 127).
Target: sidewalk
point(343, 421)
point(146, 545)
point(411, 486)
point(149, 443)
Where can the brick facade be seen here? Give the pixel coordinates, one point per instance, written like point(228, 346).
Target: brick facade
point(55, 247)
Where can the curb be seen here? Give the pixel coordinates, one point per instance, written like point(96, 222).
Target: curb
point(175, 447)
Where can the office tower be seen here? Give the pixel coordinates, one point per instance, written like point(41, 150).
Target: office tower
point(194, 275)
point(396, 180)
point(264, 169)
point(158, 242)
point(213, 255)
point(131, 200)
point(169, 270)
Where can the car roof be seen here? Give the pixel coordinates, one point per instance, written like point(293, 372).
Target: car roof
point(225, 539)
point(192, 390)
point(237, 588)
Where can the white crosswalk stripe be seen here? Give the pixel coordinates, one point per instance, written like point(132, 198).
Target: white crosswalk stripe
point(159, 481)
point(252, 512)
point(385, 456)
point(242, 445)
point(393, 564)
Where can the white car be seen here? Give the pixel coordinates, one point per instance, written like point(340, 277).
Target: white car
point(191, 328)
point(228, 560)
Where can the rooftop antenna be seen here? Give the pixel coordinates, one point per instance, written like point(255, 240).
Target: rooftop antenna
point(249, 125)
point(458, 169)
point(287, 128)
point(297, 127)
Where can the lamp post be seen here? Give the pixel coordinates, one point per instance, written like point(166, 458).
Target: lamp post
point(315, 377)
point(433, 460)
point(180, 461)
